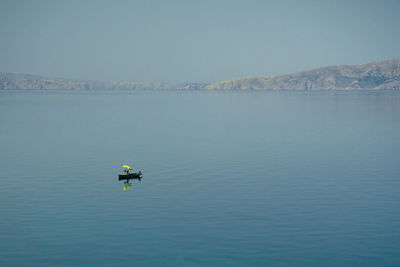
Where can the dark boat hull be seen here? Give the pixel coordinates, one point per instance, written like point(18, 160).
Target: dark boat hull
point(134, 175)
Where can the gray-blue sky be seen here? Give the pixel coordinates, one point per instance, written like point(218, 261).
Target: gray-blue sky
point(207, 40)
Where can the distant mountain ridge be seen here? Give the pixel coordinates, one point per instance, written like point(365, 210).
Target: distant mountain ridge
point(28, 81)
point(384, 75)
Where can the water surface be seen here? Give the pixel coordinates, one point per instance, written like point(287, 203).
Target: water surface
point(230, 178)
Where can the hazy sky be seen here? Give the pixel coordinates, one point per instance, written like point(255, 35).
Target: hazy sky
point(187, 40)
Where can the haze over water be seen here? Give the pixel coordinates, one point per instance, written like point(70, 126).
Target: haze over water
point(230, 178)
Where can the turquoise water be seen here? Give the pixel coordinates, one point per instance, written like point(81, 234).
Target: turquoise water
point(230, 178)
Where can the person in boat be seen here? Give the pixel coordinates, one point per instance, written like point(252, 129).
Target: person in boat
point(127, 168)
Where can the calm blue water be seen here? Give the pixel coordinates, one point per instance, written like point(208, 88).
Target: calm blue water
point(230, 178)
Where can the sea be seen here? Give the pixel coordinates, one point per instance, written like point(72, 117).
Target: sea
point(230, 178)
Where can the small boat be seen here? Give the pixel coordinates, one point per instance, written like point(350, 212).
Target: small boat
point(134, 175)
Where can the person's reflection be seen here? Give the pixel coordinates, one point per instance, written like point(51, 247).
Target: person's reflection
point(127, 186)
point(127, 182)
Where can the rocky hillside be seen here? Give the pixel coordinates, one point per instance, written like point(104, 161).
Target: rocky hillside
point(384, 75)
point(26, 81)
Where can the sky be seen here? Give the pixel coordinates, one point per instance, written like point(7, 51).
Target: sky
point(192, 41)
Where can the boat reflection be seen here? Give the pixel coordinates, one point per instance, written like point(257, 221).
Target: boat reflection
point(127, 179)
point(126, 186)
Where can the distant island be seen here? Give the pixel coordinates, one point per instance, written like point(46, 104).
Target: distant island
point(384, 75)
point(10, 81)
